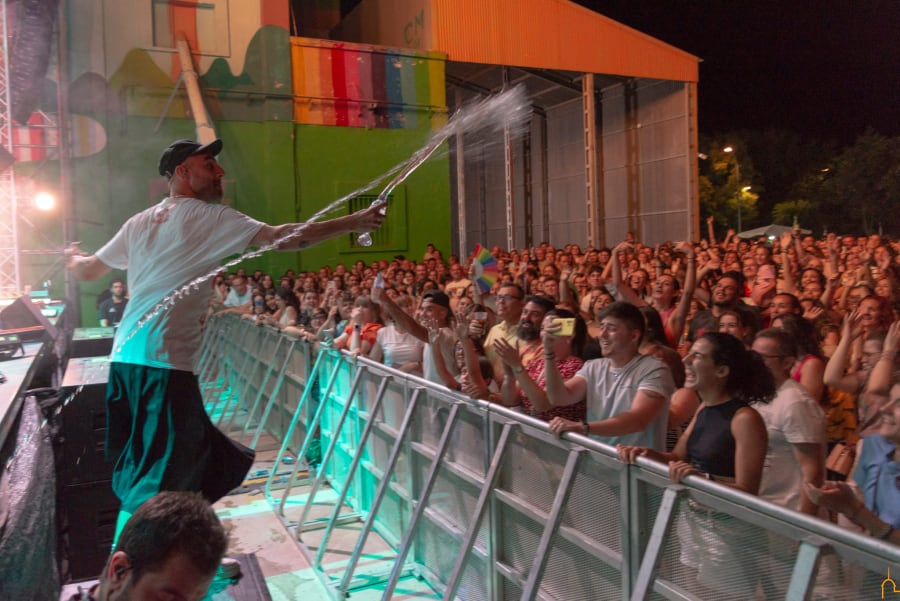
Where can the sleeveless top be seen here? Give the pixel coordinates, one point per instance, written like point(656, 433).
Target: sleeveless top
point(711, 447)
point(799, 369)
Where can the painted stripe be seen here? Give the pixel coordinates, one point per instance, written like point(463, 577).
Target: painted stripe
point(313, 85)
point(394, 90)
point(353, 74)
point(326, 88)
point(366, 89)
point(409, 74)
point(437, 90)
point(298, 72)
point(339, 75)
point(379, 92)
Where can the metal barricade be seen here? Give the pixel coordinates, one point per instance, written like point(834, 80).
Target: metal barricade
point(484, 503)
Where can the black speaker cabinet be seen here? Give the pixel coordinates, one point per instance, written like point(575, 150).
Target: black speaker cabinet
point(23, 313)
point(91, 342)
point(83, 422)
point(87, 514)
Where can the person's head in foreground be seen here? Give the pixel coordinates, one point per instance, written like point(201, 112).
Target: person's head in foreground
point(170, 549)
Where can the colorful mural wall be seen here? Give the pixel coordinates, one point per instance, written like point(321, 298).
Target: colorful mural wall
point(338, 83)
point(304, 121)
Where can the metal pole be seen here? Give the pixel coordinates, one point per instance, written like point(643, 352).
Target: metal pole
point(66, 184)
point(461, 185)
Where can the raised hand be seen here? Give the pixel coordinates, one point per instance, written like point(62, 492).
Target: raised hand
point(507, 353)
point(786, 239)
point(892, 339)
point(685, 247)
point(852, 325)
point(549, 327)
point(813, 313)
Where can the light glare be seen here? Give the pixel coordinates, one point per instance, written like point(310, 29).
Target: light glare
point(44, 201)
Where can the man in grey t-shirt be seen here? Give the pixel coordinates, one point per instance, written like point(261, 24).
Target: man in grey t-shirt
point(627, 393)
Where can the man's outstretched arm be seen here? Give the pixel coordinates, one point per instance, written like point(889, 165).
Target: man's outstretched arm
point(301, 235)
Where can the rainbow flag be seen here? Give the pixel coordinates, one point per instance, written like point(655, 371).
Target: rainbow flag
point(485, 267)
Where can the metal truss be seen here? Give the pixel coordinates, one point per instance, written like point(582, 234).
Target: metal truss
point(10, 272)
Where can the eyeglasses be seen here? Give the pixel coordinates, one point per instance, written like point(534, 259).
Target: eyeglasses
point(771, 356)
point(507, 297)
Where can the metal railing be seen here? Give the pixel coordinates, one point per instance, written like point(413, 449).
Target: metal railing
point(484, 503)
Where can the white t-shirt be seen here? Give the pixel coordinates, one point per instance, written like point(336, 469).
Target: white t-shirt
point(611, 390)
point(236, 300)
point(399, 348)
point(792, 417)
point(445, 345)
point(163, 248)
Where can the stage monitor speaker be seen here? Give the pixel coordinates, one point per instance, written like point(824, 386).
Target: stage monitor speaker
point(91, 342)
point(82, 457)
point(23, 313)
point(87, 514)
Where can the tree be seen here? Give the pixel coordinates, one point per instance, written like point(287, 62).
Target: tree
point(861, 188)
point(724, 183)
point(784, 213)
point(782, 158)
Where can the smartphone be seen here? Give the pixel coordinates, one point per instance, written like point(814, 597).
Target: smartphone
point(566, 326)
point(480, 315)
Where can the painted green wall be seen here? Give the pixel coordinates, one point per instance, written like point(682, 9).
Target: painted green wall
point(333, 161)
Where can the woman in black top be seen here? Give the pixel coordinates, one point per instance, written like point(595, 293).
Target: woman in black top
point(726, 440)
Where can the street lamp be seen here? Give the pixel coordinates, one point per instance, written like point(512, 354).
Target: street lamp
point(737, 176)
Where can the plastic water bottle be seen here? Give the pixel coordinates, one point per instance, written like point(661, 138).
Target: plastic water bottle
point(365, 239)
point(379, 280)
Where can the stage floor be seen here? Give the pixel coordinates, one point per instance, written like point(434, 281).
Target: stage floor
point(254, 528)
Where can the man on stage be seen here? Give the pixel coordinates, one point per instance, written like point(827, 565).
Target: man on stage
point(158, 432)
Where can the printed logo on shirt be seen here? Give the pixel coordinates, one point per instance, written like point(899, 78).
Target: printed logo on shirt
point(161, 214)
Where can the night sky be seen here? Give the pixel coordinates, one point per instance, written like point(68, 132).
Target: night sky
point(824, 69)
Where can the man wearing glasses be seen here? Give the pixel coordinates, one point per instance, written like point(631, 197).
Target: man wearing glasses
point(509, 310)
point(796, 427)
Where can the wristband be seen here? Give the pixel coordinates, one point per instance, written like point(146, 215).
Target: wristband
point(585, 427)
point(518, 369)
point(887, 533)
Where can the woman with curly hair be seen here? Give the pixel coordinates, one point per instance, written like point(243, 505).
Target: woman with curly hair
point(726, 441)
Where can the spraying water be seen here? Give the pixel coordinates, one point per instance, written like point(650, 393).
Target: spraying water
point(508, 111)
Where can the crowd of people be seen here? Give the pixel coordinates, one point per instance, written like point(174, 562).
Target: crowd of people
point(747, 361)
point(767, 364)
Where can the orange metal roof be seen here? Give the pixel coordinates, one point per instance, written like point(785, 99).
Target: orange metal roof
point(546, 34)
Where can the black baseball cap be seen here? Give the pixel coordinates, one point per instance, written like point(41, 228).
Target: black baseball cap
point(438, 298)
point(179, 150)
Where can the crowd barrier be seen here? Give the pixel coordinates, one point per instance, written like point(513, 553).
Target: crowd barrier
point(484, 503)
